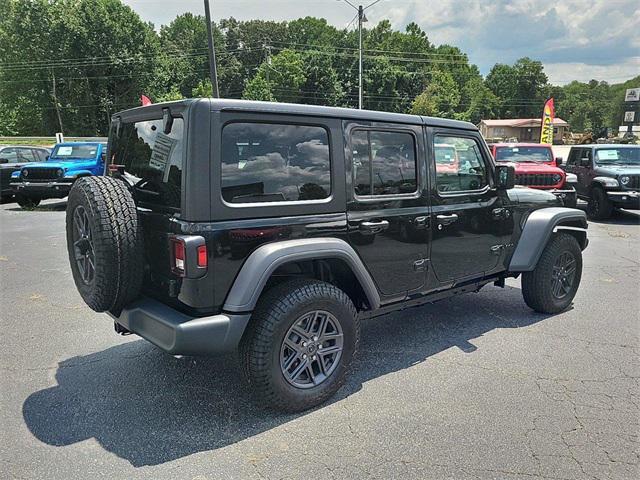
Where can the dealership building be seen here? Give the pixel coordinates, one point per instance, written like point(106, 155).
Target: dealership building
point(524, 129)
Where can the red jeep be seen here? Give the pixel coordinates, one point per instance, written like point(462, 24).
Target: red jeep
point(536, 168)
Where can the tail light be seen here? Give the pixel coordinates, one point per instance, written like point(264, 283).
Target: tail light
point(189, 256)
point(178, 251)
point(202, 256)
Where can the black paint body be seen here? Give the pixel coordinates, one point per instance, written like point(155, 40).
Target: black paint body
point(416, 255)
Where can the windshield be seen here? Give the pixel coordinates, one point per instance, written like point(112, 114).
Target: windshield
point(523, 154)
point(74, 152)
point(618, 156)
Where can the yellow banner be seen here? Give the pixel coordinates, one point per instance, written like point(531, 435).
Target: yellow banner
point(548, 114)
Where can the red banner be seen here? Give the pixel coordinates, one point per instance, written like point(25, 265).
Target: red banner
point(144, 100)
point(548, 114)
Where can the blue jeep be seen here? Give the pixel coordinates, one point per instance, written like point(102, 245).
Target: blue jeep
point(53, 179)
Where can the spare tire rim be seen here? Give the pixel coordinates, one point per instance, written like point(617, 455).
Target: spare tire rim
point(563, 275)
point(311, 349)
point(83, 245)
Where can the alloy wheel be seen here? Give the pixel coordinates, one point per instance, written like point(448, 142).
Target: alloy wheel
point(563, 275)
point(311, 349)
point(83, 245)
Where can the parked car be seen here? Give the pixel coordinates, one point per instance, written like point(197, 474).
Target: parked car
point(54, 177)
point(230, 224)
point(607, 176)
point(537, 168)
point(14, 157)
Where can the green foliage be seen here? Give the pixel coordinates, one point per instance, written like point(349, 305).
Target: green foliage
point(440, 99)
point(100, 56)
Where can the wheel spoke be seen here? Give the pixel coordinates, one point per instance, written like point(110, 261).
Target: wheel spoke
point(292, 345)
point(329, 350)
point(300, 332)
point(312, 376)
point(299, 369)
point(289, 362)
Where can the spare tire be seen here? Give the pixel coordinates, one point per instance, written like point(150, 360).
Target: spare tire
point(104, 242)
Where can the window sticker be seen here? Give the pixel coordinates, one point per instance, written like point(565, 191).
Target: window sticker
point(161, 152)
point(65, 151)
point(607, 154)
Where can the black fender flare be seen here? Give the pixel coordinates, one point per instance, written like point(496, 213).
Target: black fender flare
point(259, 266)
point(537, 231)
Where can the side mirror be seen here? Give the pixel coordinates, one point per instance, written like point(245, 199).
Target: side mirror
point(558, 161)
point(505, 177)
point(46, 159)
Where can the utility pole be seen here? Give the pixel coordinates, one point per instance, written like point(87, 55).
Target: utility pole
point(360, 16)
point(55, 99)
point(361, 19)
point(212, 52)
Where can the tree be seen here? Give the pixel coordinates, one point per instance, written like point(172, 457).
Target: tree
point(480, 101)
point(279, 77)
point(520, 88)
point(440, 99)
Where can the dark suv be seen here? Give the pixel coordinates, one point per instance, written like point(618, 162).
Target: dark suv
point(606, 176)
point(276, 228)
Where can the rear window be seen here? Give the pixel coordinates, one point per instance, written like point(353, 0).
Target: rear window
point(75, 152)
point(152, 161)
point(273, 162)
point(523, 154)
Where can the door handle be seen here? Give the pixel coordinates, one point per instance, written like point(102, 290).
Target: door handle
point(447, 219)
point(372, 227)
point(421, 221)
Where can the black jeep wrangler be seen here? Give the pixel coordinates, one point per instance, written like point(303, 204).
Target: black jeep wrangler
point(607, 176)
point(276, 228)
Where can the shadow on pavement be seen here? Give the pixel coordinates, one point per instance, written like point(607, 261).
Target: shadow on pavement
point(618, 217)
point(150, 408)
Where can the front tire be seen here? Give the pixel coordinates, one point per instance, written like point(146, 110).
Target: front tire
point(300, 344)
point(27, 203)
point(599, 207)
point(552, 285)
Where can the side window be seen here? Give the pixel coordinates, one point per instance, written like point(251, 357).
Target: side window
point(574, 156)
point(25, 155)
point(41, 154)
point(384, 163)
point(8, 155)
point(459, 164)
point(272, 162)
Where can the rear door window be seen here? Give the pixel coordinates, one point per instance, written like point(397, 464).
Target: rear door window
point(384, 163)
point(152, 161)
point(274, 162)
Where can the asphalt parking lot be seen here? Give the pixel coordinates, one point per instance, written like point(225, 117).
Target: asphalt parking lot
point(471, 388)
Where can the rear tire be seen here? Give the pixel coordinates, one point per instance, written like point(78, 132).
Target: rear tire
point(104, 242)
point(27, 203)
point(271, 363)
point(599, 207)
point(552, 285)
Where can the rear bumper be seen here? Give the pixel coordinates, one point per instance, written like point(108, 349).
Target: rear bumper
point(43, 189)
point(180, 334)
point(625, 199)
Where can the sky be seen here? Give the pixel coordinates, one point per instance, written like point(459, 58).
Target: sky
point(575, 39)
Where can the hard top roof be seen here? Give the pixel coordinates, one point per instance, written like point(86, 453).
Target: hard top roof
point(310, 110)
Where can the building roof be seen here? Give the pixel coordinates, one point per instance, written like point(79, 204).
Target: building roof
point(522, 122)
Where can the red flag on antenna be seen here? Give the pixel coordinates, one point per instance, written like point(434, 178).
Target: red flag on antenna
point(144, 100)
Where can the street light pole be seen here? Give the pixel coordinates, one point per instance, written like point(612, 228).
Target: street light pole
point(360, 15)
